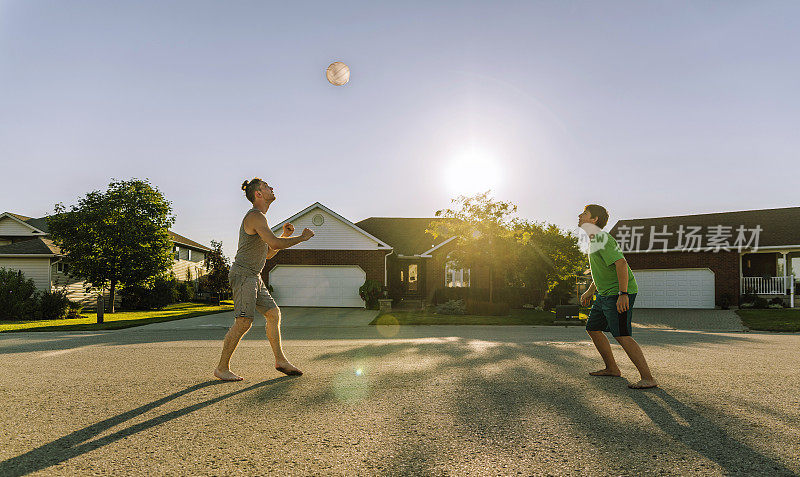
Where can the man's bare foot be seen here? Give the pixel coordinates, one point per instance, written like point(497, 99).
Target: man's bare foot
point(288, 369)
point(606, 372)
point(644, 384)
point(227, 375)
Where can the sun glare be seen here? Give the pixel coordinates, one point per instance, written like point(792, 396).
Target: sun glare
point(472, 172)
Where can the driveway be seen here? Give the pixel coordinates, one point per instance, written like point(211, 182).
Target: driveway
point(680, 319)
point(417, 400)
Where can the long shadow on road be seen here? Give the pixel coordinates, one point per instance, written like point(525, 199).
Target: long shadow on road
point(496, 408)
point(77, 443)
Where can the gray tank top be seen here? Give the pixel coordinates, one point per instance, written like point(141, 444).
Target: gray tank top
point(251, 255)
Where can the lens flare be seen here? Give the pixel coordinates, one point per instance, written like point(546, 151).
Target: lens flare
point(388, 326)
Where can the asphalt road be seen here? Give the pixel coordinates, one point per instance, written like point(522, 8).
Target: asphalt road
point(433, 400)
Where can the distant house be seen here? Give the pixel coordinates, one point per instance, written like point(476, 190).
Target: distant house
point(699, 261)
point(329, 269)
point(25, 245)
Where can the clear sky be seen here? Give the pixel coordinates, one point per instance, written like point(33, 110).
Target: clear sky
point(650, 108)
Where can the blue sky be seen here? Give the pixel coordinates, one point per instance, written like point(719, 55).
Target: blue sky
point(650, 108)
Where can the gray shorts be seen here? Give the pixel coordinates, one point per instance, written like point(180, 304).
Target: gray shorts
point(249, 294)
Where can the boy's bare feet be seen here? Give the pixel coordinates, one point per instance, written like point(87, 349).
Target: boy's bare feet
point(226, 375)
point(644, 384)
point(606, 372)
point(288, 369)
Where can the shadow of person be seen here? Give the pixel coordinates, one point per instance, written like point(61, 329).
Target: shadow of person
point(76, 443)
point(704, 436)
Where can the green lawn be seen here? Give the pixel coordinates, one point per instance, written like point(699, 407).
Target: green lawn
point(115, 321)
point(516, 317)
point(786, 319)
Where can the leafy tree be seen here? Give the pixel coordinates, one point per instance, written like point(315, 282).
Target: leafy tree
point(116, 237)
point(482, 226)
point(217, 265)
point(548, 259)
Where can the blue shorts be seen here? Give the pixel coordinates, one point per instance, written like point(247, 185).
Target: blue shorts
point(605, 317)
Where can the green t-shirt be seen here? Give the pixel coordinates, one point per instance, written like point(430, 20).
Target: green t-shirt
point(603, 252)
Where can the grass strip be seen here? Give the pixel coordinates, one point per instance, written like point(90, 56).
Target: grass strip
point(784, 319)
point(116, 321)
point(516, 317)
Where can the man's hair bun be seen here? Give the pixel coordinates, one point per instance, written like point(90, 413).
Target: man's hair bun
point(244, 185)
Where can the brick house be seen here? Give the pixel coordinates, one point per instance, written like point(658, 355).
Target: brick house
point(328, 269)
point(699, 261)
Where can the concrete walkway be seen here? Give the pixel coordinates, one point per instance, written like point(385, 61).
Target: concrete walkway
point(678, 319)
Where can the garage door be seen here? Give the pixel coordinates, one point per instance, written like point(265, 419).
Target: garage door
point(304, 285)
point(681, 288)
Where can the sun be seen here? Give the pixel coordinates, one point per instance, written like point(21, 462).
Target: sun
point(472, 172)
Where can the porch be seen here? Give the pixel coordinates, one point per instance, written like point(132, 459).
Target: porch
point(771, 273)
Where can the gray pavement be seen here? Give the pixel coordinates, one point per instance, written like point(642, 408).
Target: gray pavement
point(426, 400)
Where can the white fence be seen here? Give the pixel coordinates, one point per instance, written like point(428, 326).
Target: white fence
point(768, 285)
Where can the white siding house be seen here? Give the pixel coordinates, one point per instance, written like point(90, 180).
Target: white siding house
point(25, 246)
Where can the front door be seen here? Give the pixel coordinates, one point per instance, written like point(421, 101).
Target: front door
point(410, 283)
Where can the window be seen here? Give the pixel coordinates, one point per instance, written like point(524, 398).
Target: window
point(62, 267)
point(455, 277)
point(412, 277)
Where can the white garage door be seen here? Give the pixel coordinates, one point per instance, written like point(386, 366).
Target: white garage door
point(680, 288)
point(306, 285)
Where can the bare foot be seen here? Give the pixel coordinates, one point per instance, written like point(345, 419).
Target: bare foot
point(606, 372)
point(227, 375)
point(288, 369)
point(644, 384)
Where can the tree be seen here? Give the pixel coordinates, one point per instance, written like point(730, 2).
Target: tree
point(547, 258)
point(116, 237)
point(484, 236)
point(217, 265)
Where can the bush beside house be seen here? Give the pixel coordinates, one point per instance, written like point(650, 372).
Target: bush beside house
point(19, 299)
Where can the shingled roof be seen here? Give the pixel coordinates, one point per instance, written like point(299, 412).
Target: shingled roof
point(34, 246)
point(779, 227)
point(180, 239)
point(406, 235)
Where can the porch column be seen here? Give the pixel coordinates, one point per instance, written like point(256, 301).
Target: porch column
point(741, 275)
point(785, 272)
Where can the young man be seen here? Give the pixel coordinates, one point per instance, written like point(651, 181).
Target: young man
point(616, 289)
point(257, 243)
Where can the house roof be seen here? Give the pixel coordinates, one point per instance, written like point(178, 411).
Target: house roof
point(317, 205)
point(406, 235)
point(779, 227)
point(38, 224)
point(34, 246)
point(180, 239)
point(41, 224)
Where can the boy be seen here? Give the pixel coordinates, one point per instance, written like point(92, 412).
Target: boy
point(616, 289)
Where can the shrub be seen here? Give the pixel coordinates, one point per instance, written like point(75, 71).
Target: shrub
point(74, 310)
point(370, 292)
point(775, 306)
point(452, 307)
point(776, 301)
point(559, 294)
point(155, 297)
point(18, 297)
point(485, 308)
point(185, 291)
point(760, 302)
point(164, 292)
point(748, 297)
point(725, 301)
point(53, 305)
